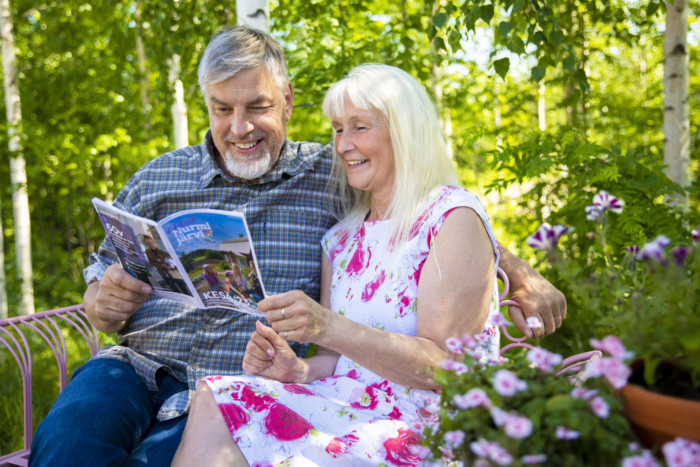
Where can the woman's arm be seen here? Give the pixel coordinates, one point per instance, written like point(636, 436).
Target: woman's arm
point(454, 294)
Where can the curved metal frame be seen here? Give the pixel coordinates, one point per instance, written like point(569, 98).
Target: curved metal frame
point(47, 325)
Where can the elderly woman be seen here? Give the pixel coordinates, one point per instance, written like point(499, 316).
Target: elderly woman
point(412, 264)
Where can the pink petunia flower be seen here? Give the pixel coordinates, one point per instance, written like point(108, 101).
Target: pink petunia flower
point(599, 407)
point(473, 398)
point(454, 345)
point(681, 452)
point(517, 427)
point(454, 439)
point(531, 459)
point(543, 359)
point(613, 346)
point(507, 384)
point(564, 433)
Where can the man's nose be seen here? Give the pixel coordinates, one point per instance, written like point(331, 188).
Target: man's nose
point(241, 125)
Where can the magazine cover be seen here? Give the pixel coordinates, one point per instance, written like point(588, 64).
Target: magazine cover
point(202, 257)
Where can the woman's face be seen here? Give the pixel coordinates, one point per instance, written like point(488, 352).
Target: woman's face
point(363, 143)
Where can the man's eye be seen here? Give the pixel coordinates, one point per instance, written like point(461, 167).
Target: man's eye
point(221, 109)
point(338, 131)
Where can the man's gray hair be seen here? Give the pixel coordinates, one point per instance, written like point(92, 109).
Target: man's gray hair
point(238, 48)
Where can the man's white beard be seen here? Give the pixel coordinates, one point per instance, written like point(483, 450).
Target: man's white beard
point(248, 170)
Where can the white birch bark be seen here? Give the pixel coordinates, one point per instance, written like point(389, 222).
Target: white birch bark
point(179, 108)
point(254, 13)
point(676, 111)
point(3, 282)
point(18, 174)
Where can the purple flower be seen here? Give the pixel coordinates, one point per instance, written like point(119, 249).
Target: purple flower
point(454, 345)
point(679, 254)
point(566, 434)
point(546, 237)
point(592, 212)
point(507, 384)
point(518, 427)
point(614, 371)
point(604, 201)
point(534, 459)
point(613, 346)
point(499, 320)
point(543, 359)
point(455, 438)
point(654, 250)
point(474, 398)
point(681, 452)
point(643, 460)
point(499, 416)
point(583, 393)
point(696, 235)
point(457, 367)
point(634, 250)
point(599, 407)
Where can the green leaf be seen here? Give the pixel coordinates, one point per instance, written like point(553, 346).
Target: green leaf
point(537, 73)
point(505, 27)
point(487, 13)
point(569, 63)
point(440, 20)
point(502, 65)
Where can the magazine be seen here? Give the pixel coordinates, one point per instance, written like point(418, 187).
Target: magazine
point(202, 257)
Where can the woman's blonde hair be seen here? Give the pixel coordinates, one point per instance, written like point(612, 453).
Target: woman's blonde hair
point(421, 156)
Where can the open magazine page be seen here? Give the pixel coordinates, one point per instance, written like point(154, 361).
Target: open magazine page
point(143, 254)
point(215, 249)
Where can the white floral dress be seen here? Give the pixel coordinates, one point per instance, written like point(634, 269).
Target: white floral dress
point(354, 417)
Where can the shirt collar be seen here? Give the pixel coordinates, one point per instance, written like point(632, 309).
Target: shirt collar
point(290, 163)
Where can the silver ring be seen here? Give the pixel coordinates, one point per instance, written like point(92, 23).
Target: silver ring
point(283, 316)
point(286, 333)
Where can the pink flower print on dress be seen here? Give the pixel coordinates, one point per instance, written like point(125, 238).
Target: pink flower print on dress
point(395, 414)
point(298, 389)
point(360, 259)
point(285, 424)
point(341, 445)
point(367, 399)
point(372, 287)
point(398, 450)
point(255, 401)
point(404, 303)
point(340, 246)
point(234, 416)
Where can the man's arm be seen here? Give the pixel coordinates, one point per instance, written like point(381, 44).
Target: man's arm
point(110, 302)
point(536, 295)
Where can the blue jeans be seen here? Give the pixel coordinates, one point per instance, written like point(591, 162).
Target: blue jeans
point(107, 416)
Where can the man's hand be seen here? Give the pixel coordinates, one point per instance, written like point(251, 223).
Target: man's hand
point(109, 303)
point(537, 297)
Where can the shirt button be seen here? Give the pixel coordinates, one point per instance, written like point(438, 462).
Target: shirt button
point(195, 367)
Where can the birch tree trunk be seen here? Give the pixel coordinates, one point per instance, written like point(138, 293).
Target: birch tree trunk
point(254, 13)
point(18, 174)
point(3, 282)
point(676, 111)
point(179, 108)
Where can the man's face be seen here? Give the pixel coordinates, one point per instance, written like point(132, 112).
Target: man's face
point(248, 115)
point(150, 243)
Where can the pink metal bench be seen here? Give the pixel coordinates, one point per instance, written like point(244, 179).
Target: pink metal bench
point(573, 364)
point(49, 325)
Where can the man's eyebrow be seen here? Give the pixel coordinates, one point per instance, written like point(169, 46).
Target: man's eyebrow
point(214, 99)
point(257, 100)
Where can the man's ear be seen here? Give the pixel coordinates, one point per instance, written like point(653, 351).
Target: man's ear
point(288, 101)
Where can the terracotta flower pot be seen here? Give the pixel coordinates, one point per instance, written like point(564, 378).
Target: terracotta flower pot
point(657, 418)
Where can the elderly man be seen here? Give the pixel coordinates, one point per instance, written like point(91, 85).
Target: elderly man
point(129, 403)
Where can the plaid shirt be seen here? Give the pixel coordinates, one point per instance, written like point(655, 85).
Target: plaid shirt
point(287, 213)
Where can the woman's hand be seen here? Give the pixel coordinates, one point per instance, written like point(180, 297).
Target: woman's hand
point(267, 354)
point(296, 317)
